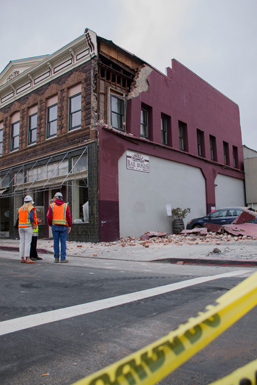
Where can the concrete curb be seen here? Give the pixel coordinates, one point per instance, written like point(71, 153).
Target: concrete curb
point(205, 261)
point(15, 248)
point(178, 261)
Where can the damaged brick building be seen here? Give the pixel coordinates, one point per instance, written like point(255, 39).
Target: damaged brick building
point(119, 139)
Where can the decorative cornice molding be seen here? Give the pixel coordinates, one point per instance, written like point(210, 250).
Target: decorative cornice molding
point(50, 68)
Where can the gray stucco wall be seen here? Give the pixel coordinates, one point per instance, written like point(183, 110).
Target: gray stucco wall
point(143, 196)
point(229, 192)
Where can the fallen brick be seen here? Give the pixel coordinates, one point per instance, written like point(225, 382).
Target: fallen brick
point(213, 227)
point(245, 216)
point(150, 234)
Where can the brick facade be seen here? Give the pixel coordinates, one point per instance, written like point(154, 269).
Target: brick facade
point(65, 140)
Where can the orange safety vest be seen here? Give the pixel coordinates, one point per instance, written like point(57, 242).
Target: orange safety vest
point(24, 217)
point(59, 214)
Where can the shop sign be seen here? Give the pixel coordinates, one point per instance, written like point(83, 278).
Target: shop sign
point(137, 162)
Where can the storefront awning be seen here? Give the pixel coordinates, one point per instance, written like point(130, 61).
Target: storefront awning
point(3, 191)
point(45, 179)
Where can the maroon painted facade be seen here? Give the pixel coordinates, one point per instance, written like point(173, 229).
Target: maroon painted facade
point(185, 97)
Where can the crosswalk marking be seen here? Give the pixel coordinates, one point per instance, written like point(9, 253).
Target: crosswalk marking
point(26, 322)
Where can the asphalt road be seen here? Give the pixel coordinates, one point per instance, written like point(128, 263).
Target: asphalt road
point(67, 350)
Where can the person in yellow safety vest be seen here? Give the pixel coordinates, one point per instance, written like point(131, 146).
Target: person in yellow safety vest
point(33, 246)
point(26, 225)
point(59, 217)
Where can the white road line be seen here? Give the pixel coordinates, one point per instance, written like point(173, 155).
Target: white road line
point(22, 323)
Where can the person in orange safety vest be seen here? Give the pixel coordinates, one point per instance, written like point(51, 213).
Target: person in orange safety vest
point(26, 225)
point(59, 217)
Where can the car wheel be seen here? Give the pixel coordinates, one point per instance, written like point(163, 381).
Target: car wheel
point(197, 226)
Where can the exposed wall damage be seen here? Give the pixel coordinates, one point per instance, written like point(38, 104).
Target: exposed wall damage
point(141, 83)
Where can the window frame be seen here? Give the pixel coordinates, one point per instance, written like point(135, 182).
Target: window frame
point(1, 141)
point(112, 112)
point(164, 129)
point(213, 149)
point(74, 112)
point(144, 123)
point(30, 130)
point(200, 143)
point(77, 206)
point(226, 153)
point(12, 148)
point(182, 135)
point(235, 156)
point(49, 122)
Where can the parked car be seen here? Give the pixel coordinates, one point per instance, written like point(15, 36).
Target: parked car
point(217, 217)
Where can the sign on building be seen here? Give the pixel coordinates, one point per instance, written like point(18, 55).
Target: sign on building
point(137, 162)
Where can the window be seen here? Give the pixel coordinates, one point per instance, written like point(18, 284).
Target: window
point(51, 129)
point(15, 135)
point(218, 214)
point(39, 198)
point(80, 204)
point(182, 128)
point(200, 143)
point(51, 121)
point(117, 112)
point(18, 202)
point(213, 148)
point(51, 170)
point(18, 178)
point(235, 157)
point(32, 125)
point(144, 124)
point(1, 137)
point(226, 153)
point(79, 163)
point(234, 213)
point(164, 129)
point(33, 128)
point(75, 111)
point(4, 181)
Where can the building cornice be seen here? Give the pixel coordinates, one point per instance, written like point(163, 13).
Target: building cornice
point(51, 67)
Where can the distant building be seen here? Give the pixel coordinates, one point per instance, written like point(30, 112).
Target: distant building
point(107, 129)
point(250, 167)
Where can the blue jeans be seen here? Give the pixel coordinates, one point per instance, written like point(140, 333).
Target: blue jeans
point(60, 233)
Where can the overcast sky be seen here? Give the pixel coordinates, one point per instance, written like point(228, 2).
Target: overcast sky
point(216, 39)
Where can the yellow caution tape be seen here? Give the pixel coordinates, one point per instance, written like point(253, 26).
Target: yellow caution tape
point(246, 375)
point(152, 363)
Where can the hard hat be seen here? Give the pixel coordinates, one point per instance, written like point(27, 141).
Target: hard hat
point(28, 198)
point(58, 195)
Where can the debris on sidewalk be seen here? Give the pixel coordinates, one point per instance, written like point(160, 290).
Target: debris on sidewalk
point(240, 230)
point(151, 234)
point(244, 229)
point(197, 230)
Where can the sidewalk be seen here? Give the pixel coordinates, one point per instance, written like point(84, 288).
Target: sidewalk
point(176, 249)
